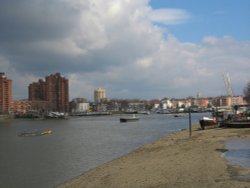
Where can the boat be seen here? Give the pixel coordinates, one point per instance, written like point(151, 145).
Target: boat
point(129, 119)
point(208, 122)
point(179, 115)
point(164, 111)
point(46, 132)
point(36, 133)
point(55, 115)
point(236, 123)
point(131, 112)
point(241, 120)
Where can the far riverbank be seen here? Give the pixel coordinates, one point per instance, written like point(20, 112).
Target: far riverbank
point(173, 161)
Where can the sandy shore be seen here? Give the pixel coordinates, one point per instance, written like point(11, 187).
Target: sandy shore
point(175, 161)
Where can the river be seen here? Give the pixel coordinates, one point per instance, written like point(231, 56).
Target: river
point(75, 146)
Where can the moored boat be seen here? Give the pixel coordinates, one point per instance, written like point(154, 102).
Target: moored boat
point(208, 122)
point(128, 119)
point(179, 115)
point(245, 123)
point(240, 120)
point(55, 115)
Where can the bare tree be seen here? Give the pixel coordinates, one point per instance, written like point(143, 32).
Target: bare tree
point(247, 93)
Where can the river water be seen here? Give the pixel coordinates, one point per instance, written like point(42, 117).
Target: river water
point(75, 146)
point(238, 152)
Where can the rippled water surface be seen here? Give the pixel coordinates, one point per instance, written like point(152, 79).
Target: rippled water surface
point(76, 145)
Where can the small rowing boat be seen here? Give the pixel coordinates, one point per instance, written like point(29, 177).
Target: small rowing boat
point(36, 133)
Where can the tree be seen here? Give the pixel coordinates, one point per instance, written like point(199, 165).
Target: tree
point(247, 93)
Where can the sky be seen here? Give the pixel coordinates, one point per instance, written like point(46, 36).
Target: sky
point(133, 49)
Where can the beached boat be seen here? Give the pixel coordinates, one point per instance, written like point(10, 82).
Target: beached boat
point(128, 119)
point(36, 133)
point(208, 122)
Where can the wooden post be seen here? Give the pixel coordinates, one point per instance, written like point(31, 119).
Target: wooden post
point(190, 123)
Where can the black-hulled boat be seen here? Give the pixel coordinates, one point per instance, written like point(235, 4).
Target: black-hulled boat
point(129, 119)
point(208, 122)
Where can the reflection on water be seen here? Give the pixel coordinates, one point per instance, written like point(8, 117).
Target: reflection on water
point(238, 152)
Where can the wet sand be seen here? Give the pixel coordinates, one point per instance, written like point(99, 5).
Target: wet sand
point(173, 161)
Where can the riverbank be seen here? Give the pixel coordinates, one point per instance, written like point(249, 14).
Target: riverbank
point(173, 161)
point(6, 117)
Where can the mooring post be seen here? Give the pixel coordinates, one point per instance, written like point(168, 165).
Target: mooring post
point(190, 122)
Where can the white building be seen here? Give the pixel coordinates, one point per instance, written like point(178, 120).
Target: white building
point(82, 107)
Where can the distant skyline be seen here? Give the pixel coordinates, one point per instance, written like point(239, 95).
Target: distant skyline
point(133, 49)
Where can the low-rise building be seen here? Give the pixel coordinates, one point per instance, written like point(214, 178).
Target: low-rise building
point(21, 106)
point(78, 105)
point(228, 101)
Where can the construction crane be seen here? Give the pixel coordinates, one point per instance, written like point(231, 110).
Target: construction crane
point(228, 84)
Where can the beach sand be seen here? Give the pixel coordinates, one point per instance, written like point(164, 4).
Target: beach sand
point(175, 161)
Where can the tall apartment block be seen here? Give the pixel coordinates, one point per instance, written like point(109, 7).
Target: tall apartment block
point(5, 93)
point(37, 91)
point(54, 90)
point(57, 92)
point(99, 94)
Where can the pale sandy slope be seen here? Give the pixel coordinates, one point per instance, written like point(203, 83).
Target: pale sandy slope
point(175, 161)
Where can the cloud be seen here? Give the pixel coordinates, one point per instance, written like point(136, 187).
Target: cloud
point(169, 16)
point(178, 69)
point(114, 44)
